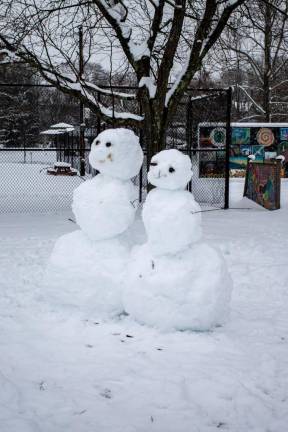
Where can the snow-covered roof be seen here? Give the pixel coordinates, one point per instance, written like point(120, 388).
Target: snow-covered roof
point(248, 125)
point(62, 164)
point(62, 126)
point(58, 129)
point(55, 131)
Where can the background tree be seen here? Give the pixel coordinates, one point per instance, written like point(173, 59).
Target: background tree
point(19, 112)
point(255, 48)
point(153, 39)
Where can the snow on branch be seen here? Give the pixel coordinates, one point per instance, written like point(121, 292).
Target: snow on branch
point(78, 89)
point(208, 31)
point(106, 91)
point(7, 56)
point(116, 12)
point(148, 82)
point(90, 101)
point(257, 106)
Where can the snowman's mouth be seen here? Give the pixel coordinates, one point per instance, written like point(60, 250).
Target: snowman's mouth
point(160, 176)
point(109, 157)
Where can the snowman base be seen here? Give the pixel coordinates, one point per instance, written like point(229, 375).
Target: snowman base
point(86, 275)
point(187, 291)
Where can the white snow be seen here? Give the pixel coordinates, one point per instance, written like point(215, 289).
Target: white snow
point(172, 220)
point(104, 206)
point(170, 169)
point(117, 152)
point(86, 276)
point(62, 165)
point(171, 216)
point(187, 290)
point(246, 124)
point(62, 126)
point(149, 83)
point(175, 281)
point(27, 186)
point(61, 372)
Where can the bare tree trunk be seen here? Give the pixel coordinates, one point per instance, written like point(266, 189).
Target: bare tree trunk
point(154, 133)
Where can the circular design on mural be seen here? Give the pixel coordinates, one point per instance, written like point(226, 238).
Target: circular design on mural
point(218, 137)
point(265, 137)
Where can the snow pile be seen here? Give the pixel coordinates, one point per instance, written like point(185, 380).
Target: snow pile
point(174, 281)
point(89, 264)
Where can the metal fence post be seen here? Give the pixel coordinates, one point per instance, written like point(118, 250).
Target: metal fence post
point(189, 134)
point(228, 145)
point(141, 170)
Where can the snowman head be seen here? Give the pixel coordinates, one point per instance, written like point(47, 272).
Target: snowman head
point(170, 169)
point(117, 153)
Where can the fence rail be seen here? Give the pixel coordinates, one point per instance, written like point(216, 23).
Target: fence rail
point(25, 185)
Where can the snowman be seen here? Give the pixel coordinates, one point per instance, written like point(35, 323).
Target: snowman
point(174, 280)
point(87, 266)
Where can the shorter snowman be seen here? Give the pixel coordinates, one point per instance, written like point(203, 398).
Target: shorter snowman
point(175, 281)
point(87, 266)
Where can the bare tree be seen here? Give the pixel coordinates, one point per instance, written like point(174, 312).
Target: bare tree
point(255, 46)
point(152, 38)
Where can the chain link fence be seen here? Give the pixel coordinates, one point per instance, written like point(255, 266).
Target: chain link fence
point(26, 186)
point(32, 181)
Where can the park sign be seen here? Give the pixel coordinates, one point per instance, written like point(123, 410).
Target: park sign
point(262, 183)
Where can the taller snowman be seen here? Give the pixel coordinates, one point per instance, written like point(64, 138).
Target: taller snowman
point(87, 266)
point(175, 281)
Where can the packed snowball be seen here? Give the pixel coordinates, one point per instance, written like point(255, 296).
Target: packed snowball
point(187, 291)
point(170, 169)
point(87, 276)
point(172, 220)
point(117, 153)
point(104, 207)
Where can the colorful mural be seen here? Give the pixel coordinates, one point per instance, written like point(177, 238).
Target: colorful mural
point(284, 134)
point(240, 136)
point(254, 139)
point(262, 184)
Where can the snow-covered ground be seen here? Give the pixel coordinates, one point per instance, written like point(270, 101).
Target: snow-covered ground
point(28, 187)
point(60, 372)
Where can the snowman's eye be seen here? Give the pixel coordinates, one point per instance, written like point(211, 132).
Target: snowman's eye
point(108, 144)
point(171, 170)
point(153, 163)
point(97, 142)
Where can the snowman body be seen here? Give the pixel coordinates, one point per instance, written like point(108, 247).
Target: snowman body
point(172, 220)
point(175, 281)
point(88, 265)
point(105, 207)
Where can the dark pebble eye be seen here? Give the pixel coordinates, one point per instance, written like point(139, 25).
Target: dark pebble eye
point(171, 169)
point(97, 142)
point(153, 163)
point(108, 144)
